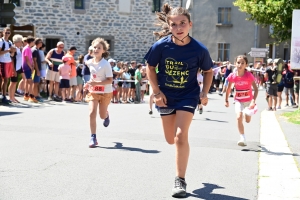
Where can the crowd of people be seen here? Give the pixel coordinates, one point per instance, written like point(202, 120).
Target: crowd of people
point(37, 75)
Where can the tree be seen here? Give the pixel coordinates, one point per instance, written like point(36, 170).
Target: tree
point(277, 13)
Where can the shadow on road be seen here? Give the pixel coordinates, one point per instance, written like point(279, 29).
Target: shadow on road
point(214, 111)
point(120, 146)
point(263, 149)
point(207, 193)
point(212, 120)
point(9, 113)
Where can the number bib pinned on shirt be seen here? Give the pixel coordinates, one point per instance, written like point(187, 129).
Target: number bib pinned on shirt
point(97, 88)
point(242, 94)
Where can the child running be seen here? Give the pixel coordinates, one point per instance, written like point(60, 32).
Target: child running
point(99, 86)
point(175, 86)
point(244, 98)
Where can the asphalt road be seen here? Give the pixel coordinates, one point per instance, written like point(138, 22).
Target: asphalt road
point(44, 154)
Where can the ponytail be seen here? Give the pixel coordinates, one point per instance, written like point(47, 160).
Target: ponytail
point(162, 21)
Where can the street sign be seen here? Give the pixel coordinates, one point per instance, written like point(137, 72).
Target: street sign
point(7, 13)
point(259, 49)
point(258, 54)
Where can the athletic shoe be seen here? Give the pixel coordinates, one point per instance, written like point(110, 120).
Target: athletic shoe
point(221, 94)
point(6, 101)
point(106, 121)
point(287, 105)
point(179, 189)
point(40, 99)
point(270, 109)
point(242, 142)
point(231, 95)
point(150, 112)
point(55, 98)
point(26, 98)
point(200, 111)
point(278, 107)
point(93, 142)
point(33, 100)
point(50, 99)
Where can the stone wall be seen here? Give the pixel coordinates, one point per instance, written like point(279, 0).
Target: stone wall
point(130, 34)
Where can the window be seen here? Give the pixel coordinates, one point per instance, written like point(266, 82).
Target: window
point(79, 4)
point(124, 6)
point(17, 2)
point(223, 51)
point(224, 15)
point(156, 6)
point(51, 43)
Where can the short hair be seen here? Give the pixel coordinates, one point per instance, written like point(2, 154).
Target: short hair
point(37, 40)
point(24, 39)
point(30, 39)
point(17, 38)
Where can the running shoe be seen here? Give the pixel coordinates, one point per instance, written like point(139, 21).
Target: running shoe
point(200, 111)
point(26, 98)
point(179, 189)
point(278, 107)
point(33, 100)
point(270, 109)
point(150, 112)
point(221, 94)
point(93, 142)
point(6, 101)
point(106, 121)
point(242, 142)
point(56, 98)
point(231, 95)
point(50, 99)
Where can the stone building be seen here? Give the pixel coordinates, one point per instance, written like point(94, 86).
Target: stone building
point(220, 26)
point(126, 24)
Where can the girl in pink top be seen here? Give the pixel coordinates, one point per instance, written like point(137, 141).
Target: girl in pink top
point(244, 81)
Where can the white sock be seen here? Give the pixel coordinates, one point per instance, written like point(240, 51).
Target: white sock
point(243, 136)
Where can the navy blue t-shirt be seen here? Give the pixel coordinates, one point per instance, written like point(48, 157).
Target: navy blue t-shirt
point(178, 66)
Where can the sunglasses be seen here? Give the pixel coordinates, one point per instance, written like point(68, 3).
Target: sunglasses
point(7, 33)
point(61, 47)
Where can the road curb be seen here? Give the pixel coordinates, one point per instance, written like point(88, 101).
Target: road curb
point(279, 177)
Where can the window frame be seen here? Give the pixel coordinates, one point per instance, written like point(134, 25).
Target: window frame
point(156, 6)
point(77, 7)
point(225, 51)
point(225, 13)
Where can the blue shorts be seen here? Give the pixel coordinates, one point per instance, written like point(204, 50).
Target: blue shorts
point(188, 105)
point(86, 78)
point(36, 79)
point(28, 74)
point(64, 83)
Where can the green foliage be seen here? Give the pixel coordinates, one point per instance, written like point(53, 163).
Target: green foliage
point(277, 13)
point(293, 117)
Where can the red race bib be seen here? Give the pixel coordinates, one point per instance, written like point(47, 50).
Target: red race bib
point(242, 94)
point(98, 88)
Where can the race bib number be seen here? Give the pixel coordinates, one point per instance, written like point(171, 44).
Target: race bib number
point(242, 94)
point(97, 88)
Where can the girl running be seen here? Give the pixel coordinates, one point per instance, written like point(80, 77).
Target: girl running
point(175, 87)
point(244, 98)
point(99, 86)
